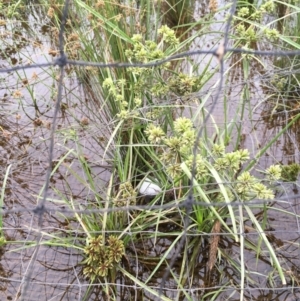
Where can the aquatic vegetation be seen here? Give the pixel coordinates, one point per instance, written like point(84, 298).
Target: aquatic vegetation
point(176, 152)
point(248, 20)
point(102, 255)
point(153, 130)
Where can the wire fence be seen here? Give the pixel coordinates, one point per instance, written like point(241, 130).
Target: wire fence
point(35, 251)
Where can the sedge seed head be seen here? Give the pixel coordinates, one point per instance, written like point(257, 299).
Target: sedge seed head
point(155, 134)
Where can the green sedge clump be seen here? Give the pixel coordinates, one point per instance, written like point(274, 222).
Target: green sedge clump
point(155, 134)
point(244, 12)
point(271, 34)
point(177, 149)
point(274, 173)
point(290, 172)
point(126, 195)
point(183, 84)
point(168, 35)
point(249, 32)
point(267, 7)
point(130, 93)
point(102, 256)
point(248, 187)
point(145, 51)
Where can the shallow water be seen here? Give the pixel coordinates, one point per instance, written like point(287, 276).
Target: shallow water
point(25, 126)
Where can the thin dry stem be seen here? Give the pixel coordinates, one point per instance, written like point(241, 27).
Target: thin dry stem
point(214, 243)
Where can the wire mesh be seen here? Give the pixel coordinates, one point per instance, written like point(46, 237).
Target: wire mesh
point(25, 269)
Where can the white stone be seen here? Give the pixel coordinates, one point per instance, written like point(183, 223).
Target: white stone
point(149, 188)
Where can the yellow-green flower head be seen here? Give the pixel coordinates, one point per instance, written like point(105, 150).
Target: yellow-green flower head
point(200, 167)
point(246, 178)
point(221, 164)
point(185, 149)
point(151, 45)
point(262, 192)
point(125, 104)
point(272, 34)
point(129, 53)
point(168, 157)
point(274, 172)
point(116, 248)
point(250, 35)
point(244, 155)
point(245, 183)
point(103, 268)
point(137, 101)
point(121, 82)
point(141, 55)
point(182, 124)
point(123, 114)
point(268, 7)
point(241, 29)
point(174, 143)
point(218, 150)
point(159, 89)
point(156, 54)
point(189, 137)
point(233, 160)
point(138, 47)
point(174, 170)
point(108, 83)
point(257, 15)
point(137, 38)
point(168, 35)
point(119, 98)
point(199, 161)
point(243, 12)
point(155, 134)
